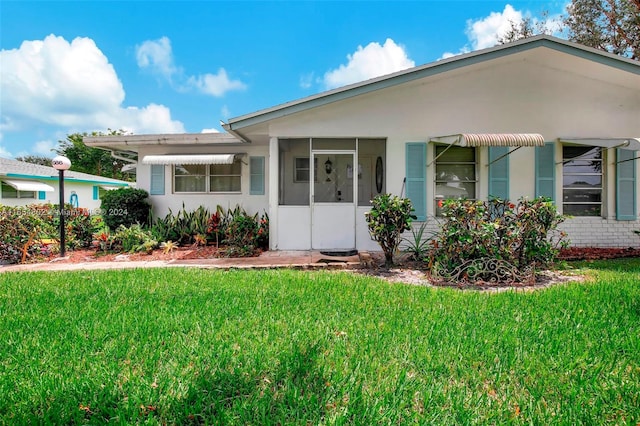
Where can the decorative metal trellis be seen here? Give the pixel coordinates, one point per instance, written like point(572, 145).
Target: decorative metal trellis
point(485, 271)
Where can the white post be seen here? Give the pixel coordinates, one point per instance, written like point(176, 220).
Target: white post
point(274, 188)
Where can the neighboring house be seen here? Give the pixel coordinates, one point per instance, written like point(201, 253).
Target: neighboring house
point(26, 183)
point(537, 117)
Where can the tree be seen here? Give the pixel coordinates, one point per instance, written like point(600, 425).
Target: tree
point(35, 159)
point(91, 160)
point(609, 25)
point(525, 28)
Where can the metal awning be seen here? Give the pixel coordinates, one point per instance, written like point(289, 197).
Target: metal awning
point(28, 185)
point(491, 139)
point(632, 144)
point(190, 159)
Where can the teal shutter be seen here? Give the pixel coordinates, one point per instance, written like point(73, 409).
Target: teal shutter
point(96, 193)
point(157, 179)
point(42, 195)
point(416, 184)
point(625, 185)
point(546, 171)
point(499, 172)
point(256, 171)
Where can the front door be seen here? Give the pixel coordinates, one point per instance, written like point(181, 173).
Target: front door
point(333, 200)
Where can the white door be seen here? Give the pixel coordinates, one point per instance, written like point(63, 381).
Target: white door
point(333, 200)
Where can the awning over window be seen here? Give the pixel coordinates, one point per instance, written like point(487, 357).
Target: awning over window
point(110, 188)
point(189, 159)
point(492, 139)
point(632, 144)
point(28, 185)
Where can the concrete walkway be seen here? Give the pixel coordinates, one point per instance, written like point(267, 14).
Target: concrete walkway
point(267, 260)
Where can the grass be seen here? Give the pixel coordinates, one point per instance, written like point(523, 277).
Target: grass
point(175, 346)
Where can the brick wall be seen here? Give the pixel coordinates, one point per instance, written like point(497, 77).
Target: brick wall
point(598, 232)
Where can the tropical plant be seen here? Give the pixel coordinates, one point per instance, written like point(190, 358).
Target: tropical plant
point(133, 239)
point(388, 218)
point(417, 246)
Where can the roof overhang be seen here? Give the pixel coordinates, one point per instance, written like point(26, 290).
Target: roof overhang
point(190, 159)
point(25, 185)
point(133, 142)
point(491, 139)
point(632, 144)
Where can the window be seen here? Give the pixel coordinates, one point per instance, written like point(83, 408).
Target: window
point(10, 192)
point(302, 171)
point(582, 180)
point(455, 173)
point(207, 178)
point(225, 177)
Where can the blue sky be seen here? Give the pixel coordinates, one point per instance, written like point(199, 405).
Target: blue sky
point(170, 67)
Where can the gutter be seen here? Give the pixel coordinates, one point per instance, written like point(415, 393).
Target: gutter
point(227, 127)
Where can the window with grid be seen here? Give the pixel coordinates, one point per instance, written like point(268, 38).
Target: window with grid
point(582, 180)
point(455, 174)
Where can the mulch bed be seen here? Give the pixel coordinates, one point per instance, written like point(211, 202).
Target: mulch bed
point(593, 253)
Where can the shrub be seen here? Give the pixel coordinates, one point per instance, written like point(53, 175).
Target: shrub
point(21, 229)
point(389, 217)
point(521, 236)
point(133, 239)
point(125, 206)
point(241, 233)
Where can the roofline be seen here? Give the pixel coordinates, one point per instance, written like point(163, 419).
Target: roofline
point(68, 179)
point(430, 69)
point(161, 139)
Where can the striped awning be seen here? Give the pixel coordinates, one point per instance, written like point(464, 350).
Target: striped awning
point(189, 159)
point(632, 144)
point(492, 139)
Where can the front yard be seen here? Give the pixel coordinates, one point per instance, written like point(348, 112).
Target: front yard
point(187, 346)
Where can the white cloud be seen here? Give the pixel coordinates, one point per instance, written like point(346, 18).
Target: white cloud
point(368, 62)
point(72, 85)
point(157, 57)
point(306, 80)
point(215, 84)
point(224, 111)
point(45, 148)
point(4, 153)
point(485, 32)
point(210, 131)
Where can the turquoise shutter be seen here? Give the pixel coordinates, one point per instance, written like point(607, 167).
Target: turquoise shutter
point(256, 171)
point(546, 171)
point(42, 195)
point(499, 172)
point(625, 185)
point(96, 193)
point(416, 184)
point(157, 180)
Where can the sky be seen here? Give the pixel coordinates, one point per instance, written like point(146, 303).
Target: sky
point(184, 66)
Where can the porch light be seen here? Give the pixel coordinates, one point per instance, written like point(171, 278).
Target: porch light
point(328, 166)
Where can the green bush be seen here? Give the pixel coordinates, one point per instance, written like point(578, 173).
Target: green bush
point(133, 239)
point(125, 206)
point(521, 235)
point(389, 217)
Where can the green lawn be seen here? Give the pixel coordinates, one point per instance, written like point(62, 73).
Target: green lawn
point(176, 346)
